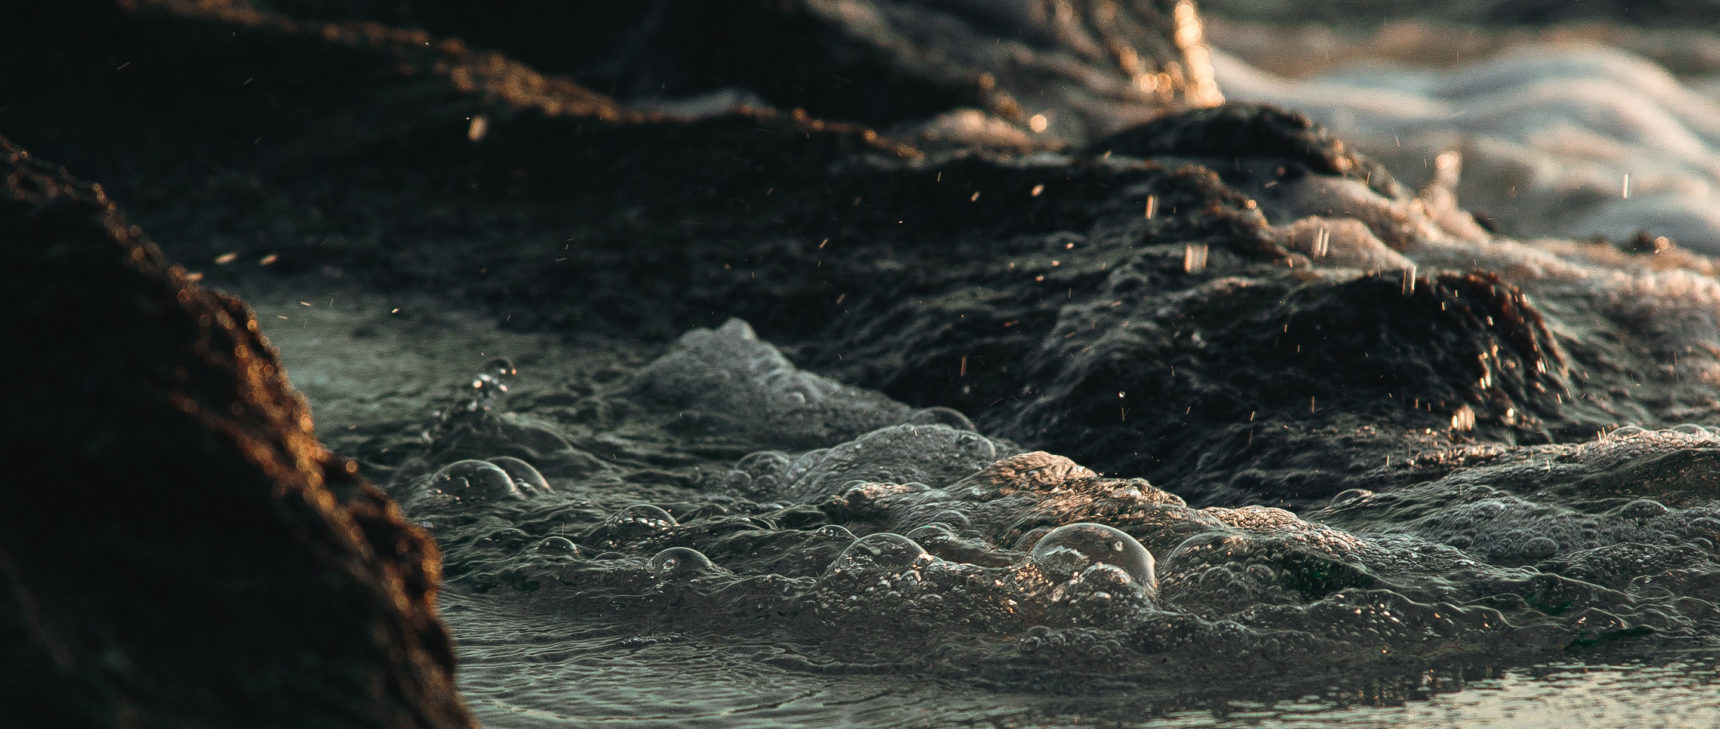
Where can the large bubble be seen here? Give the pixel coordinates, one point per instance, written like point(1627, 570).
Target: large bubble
point(1068, 550)
point(474, 480)
point(525, 477)
point(883, 553)
point(682, 563)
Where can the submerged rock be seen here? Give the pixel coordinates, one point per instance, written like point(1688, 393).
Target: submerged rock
point(177, 549)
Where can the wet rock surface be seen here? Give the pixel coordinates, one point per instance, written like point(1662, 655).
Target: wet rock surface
point(1075, 65)
point(177, 549)
point(847, 389)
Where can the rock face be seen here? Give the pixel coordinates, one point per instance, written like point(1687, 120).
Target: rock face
point(880, 62)
point(176, 548)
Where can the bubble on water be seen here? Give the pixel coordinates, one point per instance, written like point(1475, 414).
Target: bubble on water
point(632, 523)
point(1345, 498)
point(1705, 526)
point(760, 473)
point(928, 533)
point(1030, 538)
point(1642, 509)
point(834, 532)
point(561, 546)
point(1069, 549)
point(1538, 548)
point(473, 481)
point(1095, 594)
point(526, 477)
point(728, 379)
point(951, 518)
point(646, 516)
point(884, 553)
point(681, 563)
point(944, 416)
point(927, 454)
point(1628, 431)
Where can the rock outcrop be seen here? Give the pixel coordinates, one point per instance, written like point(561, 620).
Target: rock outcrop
point(176, 548)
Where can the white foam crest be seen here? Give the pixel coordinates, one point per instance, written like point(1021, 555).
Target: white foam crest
point(1549, 134)
point(730, 376)
point(935, 455)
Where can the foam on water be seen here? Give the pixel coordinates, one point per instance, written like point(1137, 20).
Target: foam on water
point(646, 588)
point(726, 378)
point(940, 551)
point(1571, 140)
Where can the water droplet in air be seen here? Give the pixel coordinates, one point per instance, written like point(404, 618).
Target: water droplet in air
point(491, 384)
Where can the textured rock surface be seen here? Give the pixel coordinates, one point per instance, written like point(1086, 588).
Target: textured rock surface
point(875, 61)
point(176, 548)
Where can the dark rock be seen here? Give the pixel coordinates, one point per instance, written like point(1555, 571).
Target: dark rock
point(176, 548)
point(877, 61)
point(1250, 131)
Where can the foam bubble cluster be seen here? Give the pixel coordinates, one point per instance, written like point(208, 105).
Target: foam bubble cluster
point(916, 539)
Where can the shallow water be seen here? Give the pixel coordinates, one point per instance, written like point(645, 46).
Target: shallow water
point(520, 669)
point(631, 649)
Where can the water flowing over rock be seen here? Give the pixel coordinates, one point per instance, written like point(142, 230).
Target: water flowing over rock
point(952, 340)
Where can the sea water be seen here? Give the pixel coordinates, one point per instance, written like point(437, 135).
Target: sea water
point(570, 610)
point(704, 534)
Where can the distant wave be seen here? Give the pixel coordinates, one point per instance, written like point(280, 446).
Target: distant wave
point(1549, 135)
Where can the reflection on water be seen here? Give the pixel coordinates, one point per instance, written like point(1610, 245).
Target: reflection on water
point(528, 667)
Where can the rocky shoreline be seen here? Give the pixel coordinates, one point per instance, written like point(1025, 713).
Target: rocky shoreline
point(1062, 240)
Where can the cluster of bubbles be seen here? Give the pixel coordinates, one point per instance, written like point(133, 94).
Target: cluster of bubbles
point(873, 541)
point(474, 482)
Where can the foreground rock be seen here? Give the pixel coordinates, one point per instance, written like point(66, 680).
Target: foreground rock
point(176, 548)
